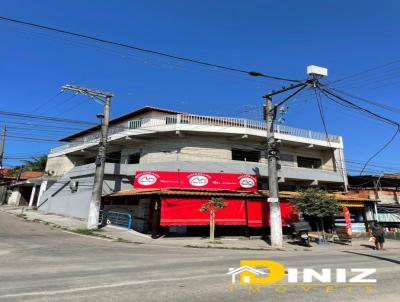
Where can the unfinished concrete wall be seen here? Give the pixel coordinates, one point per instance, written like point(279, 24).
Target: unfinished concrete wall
point(58, 166)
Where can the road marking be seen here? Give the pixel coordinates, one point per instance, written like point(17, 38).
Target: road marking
point(113, 285)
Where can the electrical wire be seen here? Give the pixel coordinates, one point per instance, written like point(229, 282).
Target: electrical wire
point(352, 105)
point(326, 91)
point(47, 102)
point(154, 52)
point(42, 117)
point(379, 105)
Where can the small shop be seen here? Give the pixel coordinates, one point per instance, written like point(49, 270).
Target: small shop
point(360, 211)
point(170, 202)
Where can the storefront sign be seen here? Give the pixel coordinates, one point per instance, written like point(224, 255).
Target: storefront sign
point(195, 180)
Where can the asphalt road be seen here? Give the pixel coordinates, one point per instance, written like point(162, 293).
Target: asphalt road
point(38, 263)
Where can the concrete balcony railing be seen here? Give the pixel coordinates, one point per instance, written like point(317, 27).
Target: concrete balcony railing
point(184, 121)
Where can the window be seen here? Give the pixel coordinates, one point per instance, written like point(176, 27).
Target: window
point(245, 155)
point(286, 159)
point(114, 157)
point(135, 124)
point(171, 120)
point(134, 158)
point(309, 162)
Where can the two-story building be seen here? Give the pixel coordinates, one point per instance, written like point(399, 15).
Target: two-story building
point(154, 139)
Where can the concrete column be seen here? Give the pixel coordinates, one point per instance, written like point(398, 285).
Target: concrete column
point(43, 187)
point(32, 198)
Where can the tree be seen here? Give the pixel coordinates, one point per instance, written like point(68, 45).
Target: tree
point(34, 164)
point(215, 204)
point(317, 203)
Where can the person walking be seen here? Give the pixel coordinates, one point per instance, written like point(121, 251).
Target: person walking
point(376, 230)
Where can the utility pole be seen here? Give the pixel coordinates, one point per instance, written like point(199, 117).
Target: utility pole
point(95, 202)
point(270, 111)
point(2, 143)
point(273, 199)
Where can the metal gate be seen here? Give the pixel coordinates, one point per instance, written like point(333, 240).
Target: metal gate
point(121, 219)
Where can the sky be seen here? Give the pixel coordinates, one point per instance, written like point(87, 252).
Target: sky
point(274, 37)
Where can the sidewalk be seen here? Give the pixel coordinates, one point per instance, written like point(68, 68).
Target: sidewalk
point(57, 220)
point(240, 243)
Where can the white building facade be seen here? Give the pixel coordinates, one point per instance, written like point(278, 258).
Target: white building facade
point(154, 139)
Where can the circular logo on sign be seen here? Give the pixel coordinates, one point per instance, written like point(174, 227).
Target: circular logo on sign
point(147, 179)
point(198, 180)
point(247, 182)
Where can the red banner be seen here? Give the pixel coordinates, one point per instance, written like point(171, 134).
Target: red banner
point(195, 180)
point(347, 218)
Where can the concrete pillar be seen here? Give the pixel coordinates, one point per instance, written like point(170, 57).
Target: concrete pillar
point(43, 187)
point(32, 198)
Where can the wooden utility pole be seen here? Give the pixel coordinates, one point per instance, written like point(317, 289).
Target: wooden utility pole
point(95, 202)
point(2, 142)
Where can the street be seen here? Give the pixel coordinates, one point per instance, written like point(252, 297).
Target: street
point(38, 263)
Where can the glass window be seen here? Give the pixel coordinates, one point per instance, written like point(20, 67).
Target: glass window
point(134, 158)
point(309, 162)
point(246, 155)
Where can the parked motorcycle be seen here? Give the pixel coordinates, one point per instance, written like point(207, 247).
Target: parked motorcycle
point(300, 232)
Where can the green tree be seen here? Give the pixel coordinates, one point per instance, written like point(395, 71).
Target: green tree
point(34, 164)
point(318, 204)
point(215, 204)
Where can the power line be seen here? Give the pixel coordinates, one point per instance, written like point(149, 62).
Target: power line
point(352, 76)
point(47, 101)
point(377, 116)
point(352, 105)
point(382, 106)
point(42, 117)
point(154, 52)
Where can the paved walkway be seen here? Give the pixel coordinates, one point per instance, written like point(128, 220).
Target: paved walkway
point(240, 243)
point(57, 220)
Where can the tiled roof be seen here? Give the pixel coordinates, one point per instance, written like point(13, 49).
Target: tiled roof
point(223, 193)
point(30, 174)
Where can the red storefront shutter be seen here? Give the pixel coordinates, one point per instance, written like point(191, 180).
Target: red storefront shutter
point(186, 211)
point(258, 213)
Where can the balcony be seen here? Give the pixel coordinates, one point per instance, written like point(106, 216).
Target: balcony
point(200, 123)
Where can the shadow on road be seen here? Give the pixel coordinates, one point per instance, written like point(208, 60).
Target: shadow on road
point(372, 247)
point(373, 256)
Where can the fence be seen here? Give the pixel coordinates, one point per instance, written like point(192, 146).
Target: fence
point(121, 219)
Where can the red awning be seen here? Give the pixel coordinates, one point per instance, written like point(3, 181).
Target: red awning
point(183, 211)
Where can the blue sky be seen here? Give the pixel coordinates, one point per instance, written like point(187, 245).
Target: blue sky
point(275, 37)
